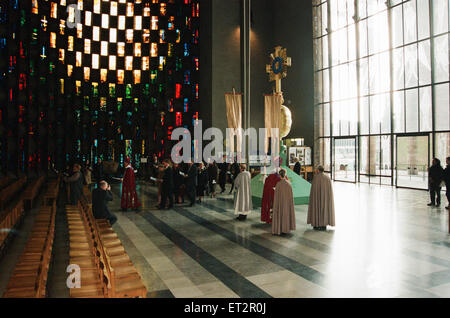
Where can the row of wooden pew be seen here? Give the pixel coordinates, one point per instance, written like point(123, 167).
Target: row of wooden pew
point(31, 192)
point(13, 202)
point(106, 269)
point(9, 218)
point(29, 279)
point(4, 181)
point(52, 191)
point(87, 193)
point(11, 207)
point(8, 193)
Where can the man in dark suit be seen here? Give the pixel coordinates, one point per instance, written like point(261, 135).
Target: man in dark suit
point(223, 167)
point(435, 177)
point(297, 166)
point(447, 180)
point(154, 166)
point(235, 171)
point(178, 183)
point(100, 198)
point(167, 186)
point(191, 182)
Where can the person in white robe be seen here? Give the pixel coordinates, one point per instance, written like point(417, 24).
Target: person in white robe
point(243, 205)
point(321, 202)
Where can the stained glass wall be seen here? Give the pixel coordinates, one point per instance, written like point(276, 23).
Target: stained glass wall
point(82, 80)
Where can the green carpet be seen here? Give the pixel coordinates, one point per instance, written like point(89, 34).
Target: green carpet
point(300, 187)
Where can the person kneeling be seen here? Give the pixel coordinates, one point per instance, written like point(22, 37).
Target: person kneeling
point(100, 198)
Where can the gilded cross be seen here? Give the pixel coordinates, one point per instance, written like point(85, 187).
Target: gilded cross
point(277, 69)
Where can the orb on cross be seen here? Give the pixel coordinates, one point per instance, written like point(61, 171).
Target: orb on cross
point(277, 69)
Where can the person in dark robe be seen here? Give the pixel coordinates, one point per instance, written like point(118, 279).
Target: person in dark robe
point(321, 202)
point(283, 218)
point(167, 186)
point(268, 196)
point(202, 183)
point(75, 183)
point(67, 172)
point(235, 171)
point(191, 182)
point(178, 184)
point(297, 166)
point(155, 167)
point(129, 195)
point(435, 178)
point(100, 198)
point(159, 176)
point(223, 167)
point(213, 172)
point(98, 171)
point(447, 181)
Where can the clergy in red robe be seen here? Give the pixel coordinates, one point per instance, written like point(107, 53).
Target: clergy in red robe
point(268, 195)
point(129, 194)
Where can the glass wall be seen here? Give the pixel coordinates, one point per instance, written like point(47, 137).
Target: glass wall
point(381, 71)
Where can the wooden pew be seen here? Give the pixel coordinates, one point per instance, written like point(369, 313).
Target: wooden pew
point(32, 191)
point(52, 191)
point(4, 182)
point(125, 281)
point(8, 220)
point(82, 253)
point(87, 194)
point(29, 279)
point(7, 194)
point(107, 270)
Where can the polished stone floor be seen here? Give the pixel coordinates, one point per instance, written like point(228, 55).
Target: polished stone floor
point(386, 243)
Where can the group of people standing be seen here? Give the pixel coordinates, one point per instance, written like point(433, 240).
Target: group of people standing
point(78, 176)
point(177, 180)
point(194, 181)
point(438, 177)
point(277, 206)
point(278, 203)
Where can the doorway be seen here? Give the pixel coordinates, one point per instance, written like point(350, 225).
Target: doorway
point(344, 161)
point(413, 160)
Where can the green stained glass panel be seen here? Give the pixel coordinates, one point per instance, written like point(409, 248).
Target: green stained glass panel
point(128, 91)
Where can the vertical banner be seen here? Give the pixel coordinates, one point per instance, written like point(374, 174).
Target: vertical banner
point(234, 117)
point(272, 115)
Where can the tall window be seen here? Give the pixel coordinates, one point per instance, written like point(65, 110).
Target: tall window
point(381, 70)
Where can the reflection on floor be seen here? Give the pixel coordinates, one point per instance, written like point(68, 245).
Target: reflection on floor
point(387, 243)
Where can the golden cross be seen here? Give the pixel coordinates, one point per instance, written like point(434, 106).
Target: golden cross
point(277, 69)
